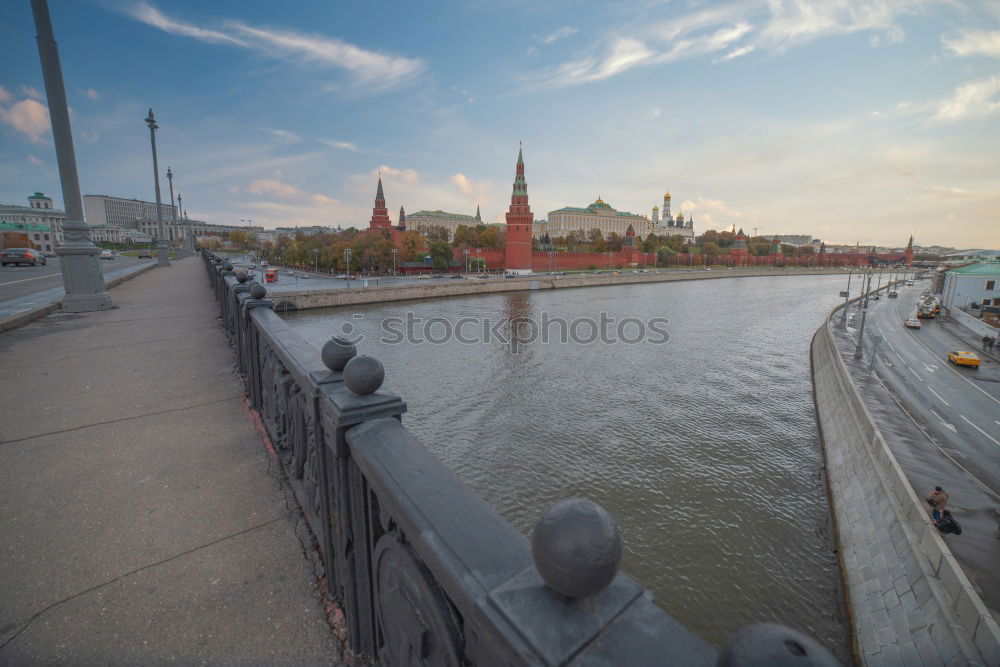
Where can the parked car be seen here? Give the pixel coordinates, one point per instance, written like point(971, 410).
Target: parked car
point(145, 254)
point(18, 256)
point(892, 295)
point(912, 324)
point(107, 254)
point(457, 276)
point(964, 358)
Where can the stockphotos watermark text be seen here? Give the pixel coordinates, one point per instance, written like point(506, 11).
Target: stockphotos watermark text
point(513, 332)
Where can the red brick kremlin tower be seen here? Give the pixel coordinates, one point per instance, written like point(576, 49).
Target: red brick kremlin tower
point(519, 219)
point(380, 214)
point(909, 252)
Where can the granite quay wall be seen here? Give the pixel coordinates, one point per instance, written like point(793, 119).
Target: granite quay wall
point(910, 601)
point(418, 581)
point(434, 289)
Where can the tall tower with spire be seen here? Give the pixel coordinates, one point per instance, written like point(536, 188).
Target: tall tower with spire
point(478, 217)
point(380, 214)
point(909, 252)
point(401, 225)
point(519, 219)
point(666, 207)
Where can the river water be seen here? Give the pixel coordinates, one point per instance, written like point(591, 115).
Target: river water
point(704, 447)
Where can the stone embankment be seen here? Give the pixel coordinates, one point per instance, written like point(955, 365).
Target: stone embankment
point(911, 603)
point(434, 289)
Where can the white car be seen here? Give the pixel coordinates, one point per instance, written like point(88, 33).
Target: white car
point(912, 324)
point(107, 254)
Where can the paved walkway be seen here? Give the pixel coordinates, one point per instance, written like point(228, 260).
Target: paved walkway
point(141, 519)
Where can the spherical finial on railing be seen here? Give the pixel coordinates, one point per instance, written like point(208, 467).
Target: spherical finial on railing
point(258, 291)
point(364, 375)
point(576, 547)
point(770, 644)
point(242, 277)
point(337, 352)
point(227, 267)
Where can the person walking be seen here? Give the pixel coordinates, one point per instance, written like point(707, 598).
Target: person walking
point(986, 342)
point(938, 500)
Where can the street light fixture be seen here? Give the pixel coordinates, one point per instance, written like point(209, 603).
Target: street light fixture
point(80, 265)
point(394, 250)
point(162, 257)
point(347, 263)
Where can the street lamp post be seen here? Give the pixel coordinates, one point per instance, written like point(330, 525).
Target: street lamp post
point(465, 251)
point(316, 260)
point(162, 257)
point(80, 265)
point(394, 261)
point(173, 209)
point(847, 298)
point(864, 316)
point(347, 263)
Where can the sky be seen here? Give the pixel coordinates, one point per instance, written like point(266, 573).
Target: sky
point(851, 121)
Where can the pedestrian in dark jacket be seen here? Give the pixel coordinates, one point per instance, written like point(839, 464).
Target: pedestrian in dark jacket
point(938, 500)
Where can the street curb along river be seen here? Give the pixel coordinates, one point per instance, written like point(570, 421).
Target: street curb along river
point(20, 319)
point(908, 596)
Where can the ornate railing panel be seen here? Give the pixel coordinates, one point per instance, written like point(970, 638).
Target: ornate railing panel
point(427, 573)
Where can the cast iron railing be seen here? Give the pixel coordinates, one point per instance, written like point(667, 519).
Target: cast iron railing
point(426, 572)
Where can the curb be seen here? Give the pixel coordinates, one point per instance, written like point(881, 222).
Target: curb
point(38, 312)
point(25, 316)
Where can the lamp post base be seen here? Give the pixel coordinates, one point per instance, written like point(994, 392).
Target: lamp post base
point(83, 279)
point(162, 254)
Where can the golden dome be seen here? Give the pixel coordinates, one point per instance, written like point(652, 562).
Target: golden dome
point(656, 208)
point(666, 195)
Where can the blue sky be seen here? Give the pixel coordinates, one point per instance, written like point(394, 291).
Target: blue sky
point(848, 120)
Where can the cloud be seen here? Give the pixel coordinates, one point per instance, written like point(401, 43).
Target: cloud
point(735, 53)
point(92, 94)
point(944, 192)
point(974, 43)
point(35, 161)
point(154, 17)
point(31, 92)
point(28, 117)
point(370, 69)
point(342, 145)
point(282, 134)
point(561, 33)
point(703, 204)
point(287, 191)
point(273, 187)
point(5, 95)
point(407, 176)
point(738, 28)
point(971, 100)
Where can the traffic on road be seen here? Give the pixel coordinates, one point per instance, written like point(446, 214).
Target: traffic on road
point(950, 389)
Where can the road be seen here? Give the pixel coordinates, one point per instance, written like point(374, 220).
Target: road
point(19, 281)
point(958, 407)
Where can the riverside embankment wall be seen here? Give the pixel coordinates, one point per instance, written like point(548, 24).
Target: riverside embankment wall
point(434, 289)
point(910, 601)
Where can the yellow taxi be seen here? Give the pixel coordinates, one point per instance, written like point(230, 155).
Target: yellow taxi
point(964, 358)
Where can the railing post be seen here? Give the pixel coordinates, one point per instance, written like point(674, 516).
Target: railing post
point(352, 528)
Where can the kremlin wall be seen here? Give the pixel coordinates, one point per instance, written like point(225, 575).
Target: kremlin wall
point(517, 257)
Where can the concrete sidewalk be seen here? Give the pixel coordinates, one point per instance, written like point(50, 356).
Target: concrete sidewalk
point(142, 520)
